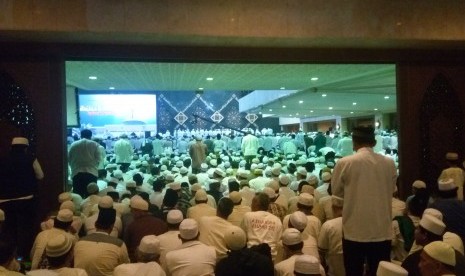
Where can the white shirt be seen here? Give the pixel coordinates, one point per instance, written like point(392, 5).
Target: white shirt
point(249, 145)
point(139, 269)
point(200, 210)
point(211, 231)
point(330, 240)
point(238, 213)
point(366, 180)
point(262, 227)
point(168, 242)
point(192, 258)
point(123, 151)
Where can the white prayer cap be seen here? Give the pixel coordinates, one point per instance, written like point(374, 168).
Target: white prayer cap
point(58, 245)
point(235, 197)
point(203, 167)
point(175, 170)
point(68, 205)
point(284, 180)
point(337, 201)
point(20, 141)
point(305, 199)
point(446, 184)
point(452, 156)
point(131, 184)
point(139, 203)
point(302, 171)
point(298, 220)
point(175, 186)
point(220, 172)
point(291, 236)
point(235, 238)
point(105, 202)
point(432, 224)
point(179, 164)
point(276, 171)
point(307, 189)
point(419, 184)
point(326, 176)
point(118, 173)
point(269, 192)
point(390, 269)
point(64, 197)
point(195, 187)
point(433, 212)
point(213, 163)
point(441, 251)
point(92, 188)
point(307, 264)
point(169, 177)
point(188, 229)
point(183, 170)
point(273, 184)
point(312, 179)
point(253, 166)
point(174, 216)
point(163, 168)
point(201, 195)
point(65, 215)
point(2, 215)
point(149, 244)
point(454, 240)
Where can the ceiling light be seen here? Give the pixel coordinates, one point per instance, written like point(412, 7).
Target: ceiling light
point(330, 108)
point(92, 77)
point(282, 88)
point(200, 88)
point(386, 97)
point(311, 111)
point(111, 88)
point(209, 79)
point(301, 101)
point(323, 95)
point(375, 109)
point(270, 109)
point(314, 79)
point(351, 112)
point(260, 112)
point(284, 106)
point(354, 103)
point(297, 114)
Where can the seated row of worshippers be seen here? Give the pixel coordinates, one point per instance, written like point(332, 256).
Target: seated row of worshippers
point(307, 209)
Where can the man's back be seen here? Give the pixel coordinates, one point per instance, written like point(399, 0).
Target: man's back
point(99, 254)
point(192, 258)
point(84, 156)
point(366, 181)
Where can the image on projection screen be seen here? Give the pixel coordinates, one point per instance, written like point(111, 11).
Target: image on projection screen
point(118, 112)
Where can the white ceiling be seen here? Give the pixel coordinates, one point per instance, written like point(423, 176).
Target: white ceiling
point(367, 85)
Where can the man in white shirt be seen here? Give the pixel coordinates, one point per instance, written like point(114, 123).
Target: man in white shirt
point(170, 240)
point(262, 226)
point(249, 147)
point(212, 228)
point(99, 253)
point(123, 151)
point(239, 210)
point(192, 258)
point(330, 240)
point(201, 207)
point(366, 181)
point(147, 256)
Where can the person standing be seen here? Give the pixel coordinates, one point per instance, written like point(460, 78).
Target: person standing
point(84, 157)
point(249, 147)
point(123, 152)
point(365, 179)
point(198, 154)
point(19, 174)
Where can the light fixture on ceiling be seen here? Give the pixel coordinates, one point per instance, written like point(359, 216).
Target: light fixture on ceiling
point(323, 95)
point(282, 88)
point(354, 103)
point(270, 110)
point(297, 114)
point(200, 88)
point(311, 111)
point(314, 79)
point(386, 97)
point(330, 108)
point(375, 109)
point(111, 88)
point(92, 77)
point(284, 106)
point(209, 79)
point(351, 112)
point(301, 101)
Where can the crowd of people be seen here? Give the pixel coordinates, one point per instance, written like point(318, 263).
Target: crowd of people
point(207, 203)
